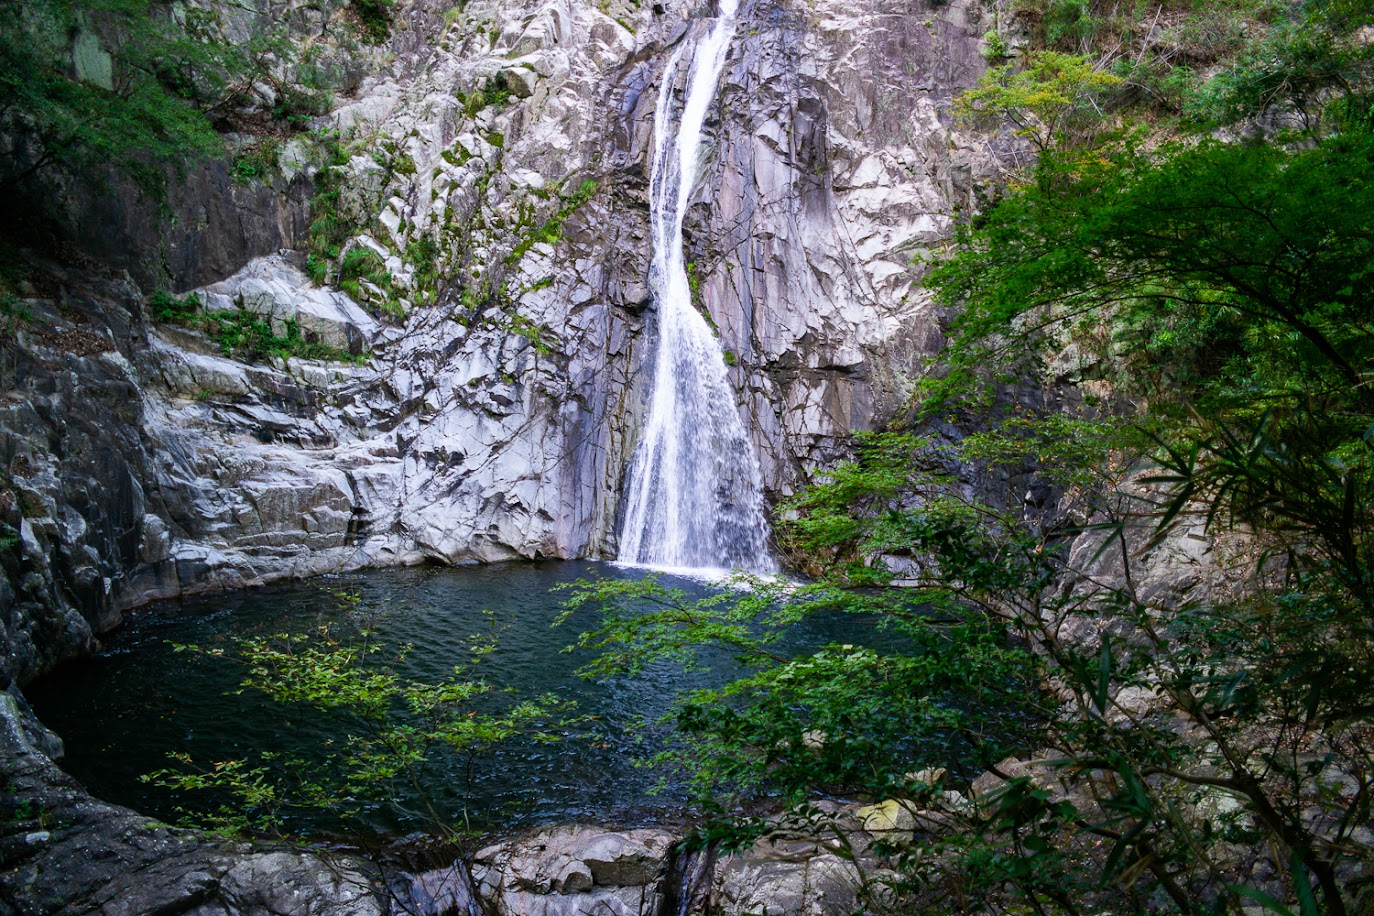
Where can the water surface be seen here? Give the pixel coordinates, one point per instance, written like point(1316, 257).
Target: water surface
point(122, 713)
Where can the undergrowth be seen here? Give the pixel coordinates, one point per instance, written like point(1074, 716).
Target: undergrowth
point(245, 335)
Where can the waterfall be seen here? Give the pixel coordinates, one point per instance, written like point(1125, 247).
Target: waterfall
point(694, 497)
point(688, 882)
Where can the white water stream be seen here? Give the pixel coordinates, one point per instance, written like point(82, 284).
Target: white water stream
point(694, 500)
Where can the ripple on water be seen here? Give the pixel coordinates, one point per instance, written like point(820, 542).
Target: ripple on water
point(122, 713)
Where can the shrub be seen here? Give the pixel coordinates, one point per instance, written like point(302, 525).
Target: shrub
point(422, 253)
point(374, 18)
point(255, 160)
point(249, 336)
point(317, 269)
point(142, 114)
point(494, 93)
point(362, 263)
point(1068, 23)
point(330, 228)
point(994, 47)
point(173, 310)
point(1054, 100)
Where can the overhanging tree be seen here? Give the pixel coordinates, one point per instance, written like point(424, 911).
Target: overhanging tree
point(139, 108)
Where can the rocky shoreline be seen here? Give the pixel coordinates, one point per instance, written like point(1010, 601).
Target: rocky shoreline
point(63, 851)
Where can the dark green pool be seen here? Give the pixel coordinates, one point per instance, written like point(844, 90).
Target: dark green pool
point(122, 713)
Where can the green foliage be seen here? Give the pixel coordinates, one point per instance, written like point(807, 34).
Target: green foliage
point(255, 161)
point(330, 226)
point(295, 105)
point(384, 728)
point(1225, 286)
point(362, 263)
point(694, 285)
point(1066, 451)
point(1119, 811)
point(1316, 67)
point(550, 232)
point(422, 253)
point(521, 326)
point(242, 334)
point(846, 717)
point(1162, 51)
point(134, 104)
point(583, 193)
point(457, 157)
point(130, 88)
point(173, 309)
point(994, 46)
point(1228, 285)
point(494, 93)
point(256, 800)
point(1214, 298)
point(1069, 24)
point(1055, 99)
point(1166, 87)
point(1245, 266)
point(276, 68)
point(1215, 33)
point(373, 18)
point(317, 269)
point(249, 336)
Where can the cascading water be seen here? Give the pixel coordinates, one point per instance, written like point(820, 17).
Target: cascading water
point(694, 498)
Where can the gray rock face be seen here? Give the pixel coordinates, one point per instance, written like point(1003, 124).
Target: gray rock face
point(835, 167)
point(65, 852)
point(497, 420)
point(567, 870)
point(789, 884)
point(575, 869)
point(74, 470)
point(276, 290)
point(205, 221)
point(217, 225)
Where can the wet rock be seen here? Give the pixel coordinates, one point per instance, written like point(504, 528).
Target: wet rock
point(575, 878)
point(789, 880)
point(575, 869)
point(438, 892)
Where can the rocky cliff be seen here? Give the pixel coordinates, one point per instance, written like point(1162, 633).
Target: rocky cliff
point(482, 383)
point(493, 161)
